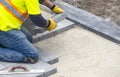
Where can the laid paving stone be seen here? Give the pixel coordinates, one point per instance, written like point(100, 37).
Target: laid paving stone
point(63, 25)
point(6, 64)
point(35, 39)
point(59, 17)
point(2, 66)
point(22, 75)
point(49, 70)
point(38, 30)
point(93, 23)
point(25, 75)
point(47, 56)
point(46, 14)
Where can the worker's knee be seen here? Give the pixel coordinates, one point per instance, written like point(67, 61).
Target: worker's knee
point(34, 54)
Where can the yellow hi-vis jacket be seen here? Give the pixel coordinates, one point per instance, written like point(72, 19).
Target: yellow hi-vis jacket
point(14, 12)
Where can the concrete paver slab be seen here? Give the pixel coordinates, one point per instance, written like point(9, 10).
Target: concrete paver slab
point(47, 56)
point(39, 65)
point(62, 26)
point(2, 66)
point(93, 23)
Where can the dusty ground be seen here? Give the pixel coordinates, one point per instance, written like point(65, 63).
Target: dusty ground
point(108, 9)
point(83, 54)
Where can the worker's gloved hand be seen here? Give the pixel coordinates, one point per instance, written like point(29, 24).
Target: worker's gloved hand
point(57, 9)
point(52, 24)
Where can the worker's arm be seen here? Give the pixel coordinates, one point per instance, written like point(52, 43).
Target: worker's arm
point(41, 22)
point(34, 12)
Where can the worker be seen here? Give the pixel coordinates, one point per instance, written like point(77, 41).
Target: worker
point(16, 46)
point(54, 8)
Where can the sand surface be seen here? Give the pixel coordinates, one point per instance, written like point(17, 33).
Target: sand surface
point(83, 54)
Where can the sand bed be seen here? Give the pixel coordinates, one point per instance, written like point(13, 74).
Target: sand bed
point(83, 54)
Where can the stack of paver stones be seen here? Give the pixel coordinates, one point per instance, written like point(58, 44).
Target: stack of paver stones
point(82, 18)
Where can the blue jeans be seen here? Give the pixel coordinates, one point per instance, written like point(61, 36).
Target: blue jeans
point(16, 47)
point(27, 33)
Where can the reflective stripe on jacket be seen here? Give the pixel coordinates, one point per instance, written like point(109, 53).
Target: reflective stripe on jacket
point(14, 12)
